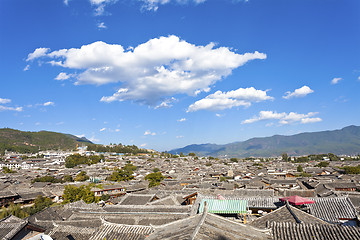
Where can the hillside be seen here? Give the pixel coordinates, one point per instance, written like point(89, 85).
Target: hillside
point(31, 142)
point(344, 141)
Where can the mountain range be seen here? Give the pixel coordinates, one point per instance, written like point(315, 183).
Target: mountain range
point(32, 142)
point(343, 141)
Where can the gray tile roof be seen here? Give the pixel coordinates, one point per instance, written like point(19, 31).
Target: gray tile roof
point(111, 231)
point(332, 209)
point(294, 231)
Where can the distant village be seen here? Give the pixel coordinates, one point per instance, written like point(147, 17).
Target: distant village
point(100, 195)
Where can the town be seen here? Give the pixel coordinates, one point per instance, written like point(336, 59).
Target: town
point(83, 194)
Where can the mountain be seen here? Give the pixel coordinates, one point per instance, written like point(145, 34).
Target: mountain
point(343, 141)
point(20, 141)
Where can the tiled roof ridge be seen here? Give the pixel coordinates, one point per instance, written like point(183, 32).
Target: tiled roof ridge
point(292, 212)
point(201, 222)
point(16, 229)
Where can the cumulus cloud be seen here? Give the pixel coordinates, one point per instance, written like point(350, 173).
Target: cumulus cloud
point(223, 100)
point(336, 80)
point(182, 120)
point(300, 92)
point(284, 118)
point(16, 109)
point(103, 129)
point(153, 5)
point(152, 71)
point(63, 76)
point(4, 100)
point(147, 132)
point(49, 104)
point(39, 52)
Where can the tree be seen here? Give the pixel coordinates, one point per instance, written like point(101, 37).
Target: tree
point(322, 164)
point(68, 178)
point(73, 194)
point(154, 179)
point(8, 170)
point(156, 170)
point(234, 159)
point(192, 154)
point(284, 156)
point(81, 177)
point(123, 174)
point(299, 168)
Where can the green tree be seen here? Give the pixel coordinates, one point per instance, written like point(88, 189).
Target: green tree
point(156, 170)
point(81, 177)
point(234, 160)
point(68, 178)
point(299, 168)
point(123, 174)
point(322, 164)
point(73, 194)
point(284, 156)
point(192, 154)
point(154, 179)
point(8, 170)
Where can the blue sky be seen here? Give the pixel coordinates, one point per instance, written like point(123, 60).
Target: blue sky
point(163, 74)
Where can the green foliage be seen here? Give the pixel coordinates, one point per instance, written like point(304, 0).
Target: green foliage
point(222, 179)
point(73, 194)
point(154, 179)
point(68, 178)
point(299, 168)
point(156, 170)
point(123, 174)
point(234, 160)
point(322, 164)
point(258, 164)
point(81, 177)
point(301, 159)
point(31, 142)
point(304, 174)
point(116, 148)
point(8, 170)
point(40, 203)
point(47, 179)
point(192, 154)
point(211, 158)
point(352, 170)
point(105, 197)
point(284, 156)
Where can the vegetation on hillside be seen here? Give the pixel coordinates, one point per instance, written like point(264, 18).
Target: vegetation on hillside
point(31, 142)
point(119, 148)
point(77, 159)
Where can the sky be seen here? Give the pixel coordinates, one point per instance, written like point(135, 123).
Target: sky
point(163, 74)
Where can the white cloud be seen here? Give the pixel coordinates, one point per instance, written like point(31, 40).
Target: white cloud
point(101, 25)
point(103, 129)
point(117, 130)
point(223, 100)
point(63, 76)
point(182, 120)
point(143, 145)
point(4, 100)
point(16, 109)
point(218, 115)
point(93, 139)
point(154, 70)
point(167, 103)
point(300, 92)
point(39, 52)
point(80, 136)
point(66, 2)
point(49, 104)
point(359, 78)
point(153, 5)
point(147, 132)
point(336, 80)
point(284, 118)
point(100, 6)
point(179, 136)
point(27, 67)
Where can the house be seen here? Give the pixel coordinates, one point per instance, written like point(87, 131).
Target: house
point(112, 190)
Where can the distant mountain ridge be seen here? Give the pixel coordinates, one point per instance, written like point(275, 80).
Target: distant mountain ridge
point(21, 141)
point(343, 141)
